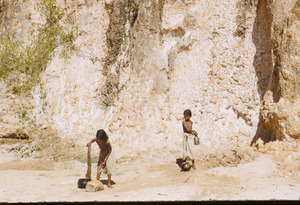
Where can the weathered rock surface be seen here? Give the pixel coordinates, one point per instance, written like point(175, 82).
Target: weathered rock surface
point(280, 106)
point(235, 64)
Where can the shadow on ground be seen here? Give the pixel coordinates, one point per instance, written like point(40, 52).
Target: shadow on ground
point(104, 181)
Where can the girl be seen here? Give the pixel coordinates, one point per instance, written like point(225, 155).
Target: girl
point(105, 161)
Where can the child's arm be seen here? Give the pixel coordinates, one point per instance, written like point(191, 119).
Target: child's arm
point(187, 127)
point(110, 149)
point(90, 143)
point(105, 159)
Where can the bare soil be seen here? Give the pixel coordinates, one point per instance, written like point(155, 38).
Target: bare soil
point(39, 180)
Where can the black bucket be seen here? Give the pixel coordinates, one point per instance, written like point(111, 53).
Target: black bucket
point(82, 182)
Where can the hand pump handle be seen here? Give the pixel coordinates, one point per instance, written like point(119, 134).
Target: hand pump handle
point(88, 173)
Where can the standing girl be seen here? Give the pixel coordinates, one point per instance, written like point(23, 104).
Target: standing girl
point(106, 161)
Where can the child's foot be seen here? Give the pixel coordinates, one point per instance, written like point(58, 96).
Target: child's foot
point(193, 166)
point(109, 186)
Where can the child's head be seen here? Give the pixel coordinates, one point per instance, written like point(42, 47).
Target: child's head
point(188, 112)
point(101, 135)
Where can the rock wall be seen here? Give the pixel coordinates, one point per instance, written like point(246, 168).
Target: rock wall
point(279, 43)
point(233, 63)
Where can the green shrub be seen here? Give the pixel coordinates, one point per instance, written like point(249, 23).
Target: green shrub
point(134, 9)
point(67, 38)
point(9, 57)
point(21, 66)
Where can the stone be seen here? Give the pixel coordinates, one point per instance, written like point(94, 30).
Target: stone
point(94, 185)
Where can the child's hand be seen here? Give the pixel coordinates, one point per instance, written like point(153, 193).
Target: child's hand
point(101, 167)
point(88, 144)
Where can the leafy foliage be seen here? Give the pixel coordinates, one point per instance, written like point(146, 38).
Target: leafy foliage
point(134, 9)
point(21, 66)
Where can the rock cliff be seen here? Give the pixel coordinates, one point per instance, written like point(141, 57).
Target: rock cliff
point(137, 65)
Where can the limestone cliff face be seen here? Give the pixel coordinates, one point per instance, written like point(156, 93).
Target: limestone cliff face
point(235, 64)
point(278, 38)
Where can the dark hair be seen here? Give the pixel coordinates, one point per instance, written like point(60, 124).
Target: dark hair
point(101, 134)
point(188, 112)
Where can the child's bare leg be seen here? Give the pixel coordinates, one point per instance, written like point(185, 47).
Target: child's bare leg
point(109, 181)
point(98, 175)
point(193, 164)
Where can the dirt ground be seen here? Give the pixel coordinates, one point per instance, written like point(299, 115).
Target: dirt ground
point(36, 180)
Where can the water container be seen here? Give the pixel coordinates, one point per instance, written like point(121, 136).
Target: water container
point(196, 140)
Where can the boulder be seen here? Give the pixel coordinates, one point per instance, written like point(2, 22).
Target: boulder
point(94, 185)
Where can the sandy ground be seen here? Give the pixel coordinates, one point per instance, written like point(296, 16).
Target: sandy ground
point(34, 180)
